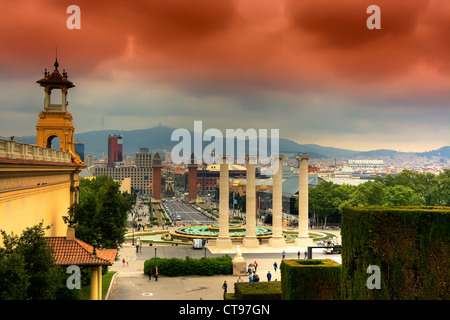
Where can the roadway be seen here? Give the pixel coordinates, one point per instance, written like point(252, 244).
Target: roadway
point(186, 214)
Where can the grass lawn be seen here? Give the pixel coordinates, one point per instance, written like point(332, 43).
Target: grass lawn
point(85, 291)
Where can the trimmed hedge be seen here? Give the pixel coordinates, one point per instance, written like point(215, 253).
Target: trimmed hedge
point(315, 279)
point(178, 267)
point(410, 245)
point(257, 290)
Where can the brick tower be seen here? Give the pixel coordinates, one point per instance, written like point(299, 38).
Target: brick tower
point(156, 176)
point(192, 180)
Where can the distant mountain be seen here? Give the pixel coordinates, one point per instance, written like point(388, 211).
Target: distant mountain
point(379, 153)
point(441, 152)
point(159, 138)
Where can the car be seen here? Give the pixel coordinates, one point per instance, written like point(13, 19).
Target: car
point(178, 217)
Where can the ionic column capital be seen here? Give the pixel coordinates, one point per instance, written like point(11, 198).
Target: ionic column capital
point(303, 157)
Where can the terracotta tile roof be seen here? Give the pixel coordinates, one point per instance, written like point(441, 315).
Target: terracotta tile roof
point(55, 78)
point(76, 252)
point(35, 162)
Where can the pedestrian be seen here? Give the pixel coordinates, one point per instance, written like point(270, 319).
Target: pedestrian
point(239, 279)
point(250, 277)
point(127, 260)
point(269, 276)
point(298, 254)
point(275, 266)
point(149, 273)
point(123, 261)
point(256, 265)
point(156, 273)
point(140, 247)
point(224, 287)
point(283, 255)
point(255, 278)
point(306, 254)
point(248, 269)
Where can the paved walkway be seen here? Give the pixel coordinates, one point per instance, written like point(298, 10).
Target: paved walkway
point(130, 283)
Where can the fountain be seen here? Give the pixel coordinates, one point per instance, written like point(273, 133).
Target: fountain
point(236, 231)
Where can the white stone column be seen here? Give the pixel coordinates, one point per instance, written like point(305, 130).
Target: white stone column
point(277, 239)
point(250, 240)
point(224, 241)
point(303, 239)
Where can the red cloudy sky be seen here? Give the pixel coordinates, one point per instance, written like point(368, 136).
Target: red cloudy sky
point(310, 68)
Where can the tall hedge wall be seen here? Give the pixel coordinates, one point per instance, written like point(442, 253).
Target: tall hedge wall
point(410, 245)
point(310, 279)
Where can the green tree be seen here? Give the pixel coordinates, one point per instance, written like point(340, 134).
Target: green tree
point(14, 279)
point(440, 192)
point(402, 196)
point(100, 216)
point(325, 199)
point(27, 266)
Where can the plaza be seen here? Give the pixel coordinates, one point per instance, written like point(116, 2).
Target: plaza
point(130, 282)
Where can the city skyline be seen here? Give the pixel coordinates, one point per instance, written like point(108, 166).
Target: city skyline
point(311, 69)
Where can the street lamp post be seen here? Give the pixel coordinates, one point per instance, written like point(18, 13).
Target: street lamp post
point(132, 223)
point(155, 262)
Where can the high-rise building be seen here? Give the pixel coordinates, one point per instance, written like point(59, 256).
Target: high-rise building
point(79, 149)
point(143, 159)
point(89, 160)
point(140, 173)
point(114, 149)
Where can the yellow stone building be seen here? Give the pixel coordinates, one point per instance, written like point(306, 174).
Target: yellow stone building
point(38, 184)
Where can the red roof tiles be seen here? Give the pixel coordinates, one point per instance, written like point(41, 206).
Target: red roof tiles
point(77, 252)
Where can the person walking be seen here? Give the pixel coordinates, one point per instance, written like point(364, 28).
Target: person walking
point(275, 266)
point(123, 262)
point(149, 273)
point(256, 265)
point(224, 287)
point(306, 254)
point(283, 255)
point(127, 260)
point(298, 254)
point(156, 273)
point(269, 276)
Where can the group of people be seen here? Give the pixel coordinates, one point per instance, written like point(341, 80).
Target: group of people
point(156, 274)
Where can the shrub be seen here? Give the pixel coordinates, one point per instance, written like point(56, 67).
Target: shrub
point(257, 290)
point(310, 279)
point(410, 245)
point(178, 267)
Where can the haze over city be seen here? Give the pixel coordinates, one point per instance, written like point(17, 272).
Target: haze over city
point(311, 69)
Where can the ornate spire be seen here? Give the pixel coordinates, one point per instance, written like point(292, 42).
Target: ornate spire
point(56, 59)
